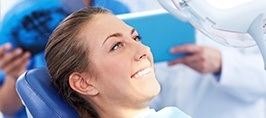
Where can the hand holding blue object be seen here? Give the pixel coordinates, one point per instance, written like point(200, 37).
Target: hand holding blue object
point(28, 24)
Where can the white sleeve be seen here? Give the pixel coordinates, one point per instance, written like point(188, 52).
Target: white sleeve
point(242, 75)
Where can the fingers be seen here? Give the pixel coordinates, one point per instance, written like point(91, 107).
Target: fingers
point(18, 65)
point(188, 48)
point(203, 59)
point(188, 60)
point(4, 48)
point(10, 57)
point(193, 57)
point(13, 63)
point(195, 62)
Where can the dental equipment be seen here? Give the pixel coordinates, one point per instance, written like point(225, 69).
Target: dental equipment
point(235, 23)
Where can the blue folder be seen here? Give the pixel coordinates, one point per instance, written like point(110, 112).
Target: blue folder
point(160, 31)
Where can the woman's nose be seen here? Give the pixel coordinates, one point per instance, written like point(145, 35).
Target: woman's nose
point(142, 51)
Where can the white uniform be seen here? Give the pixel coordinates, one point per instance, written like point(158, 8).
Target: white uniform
point(1, 115)
point(167, 112)
point(240, 93)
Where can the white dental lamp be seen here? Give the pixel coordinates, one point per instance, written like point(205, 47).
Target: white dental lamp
point(235, 23)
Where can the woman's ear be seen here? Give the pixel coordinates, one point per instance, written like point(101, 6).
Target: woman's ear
point(82, 84)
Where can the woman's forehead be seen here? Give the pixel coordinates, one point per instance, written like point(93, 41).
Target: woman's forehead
point(106, 20)
point(103, 25)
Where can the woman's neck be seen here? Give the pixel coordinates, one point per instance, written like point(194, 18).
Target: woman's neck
point(115, 110)
point(122, 113)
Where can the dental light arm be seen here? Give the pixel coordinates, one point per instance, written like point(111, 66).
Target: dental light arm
point(257, 31)
point(235, 23)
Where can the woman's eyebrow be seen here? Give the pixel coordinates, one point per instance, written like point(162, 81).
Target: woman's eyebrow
point(117, 35)
point(133, 30)
point(112, 35)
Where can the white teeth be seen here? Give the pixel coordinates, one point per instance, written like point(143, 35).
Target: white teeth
point(143, 72)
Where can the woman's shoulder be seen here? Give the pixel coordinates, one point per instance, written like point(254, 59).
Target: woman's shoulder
point(167, 112)
point(171, 112)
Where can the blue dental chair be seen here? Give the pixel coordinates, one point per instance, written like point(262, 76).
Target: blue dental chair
point(40, 97)
point(158, 29)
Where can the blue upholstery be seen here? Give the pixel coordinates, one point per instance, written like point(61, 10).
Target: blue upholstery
point(40, 97)
point(159, 30)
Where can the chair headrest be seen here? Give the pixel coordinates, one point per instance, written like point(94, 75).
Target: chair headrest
point(40, 97)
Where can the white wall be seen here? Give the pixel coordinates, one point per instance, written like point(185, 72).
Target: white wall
point(5, 5)
point(141, 5)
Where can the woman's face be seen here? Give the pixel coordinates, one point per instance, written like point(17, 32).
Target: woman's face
point(124, 66)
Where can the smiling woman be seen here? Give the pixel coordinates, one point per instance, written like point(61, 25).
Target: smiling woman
point(99, 65)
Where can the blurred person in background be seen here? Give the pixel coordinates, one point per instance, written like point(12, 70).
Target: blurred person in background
point(27, 21)
point(213, 81)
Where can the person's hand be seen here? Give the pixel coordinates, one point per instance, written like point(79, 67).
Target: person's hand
point(201, 58)
point(13, 63)
point(88, 2)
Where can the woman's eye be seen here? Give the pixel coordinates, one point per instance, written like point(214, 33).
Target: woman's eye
point(137, 38)
point(116, 46)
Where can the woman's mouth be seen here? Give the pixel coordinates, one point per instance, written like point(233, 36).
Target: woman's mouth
point(142, 72)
